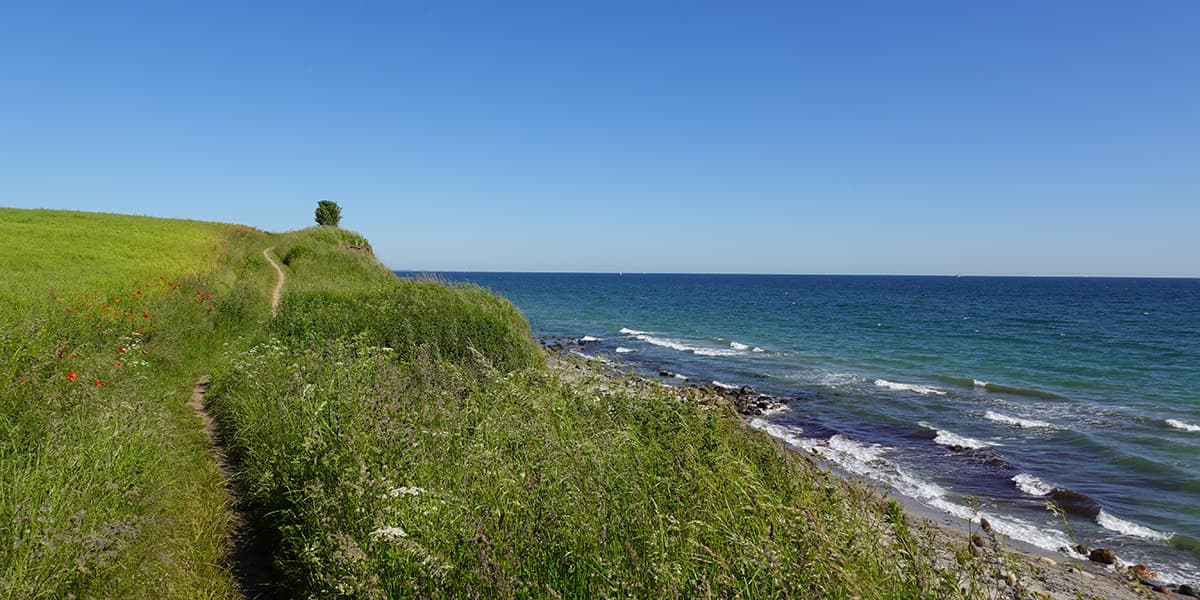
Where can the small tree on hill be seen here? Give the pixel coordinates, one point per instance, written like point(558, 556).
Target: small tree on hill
point(328, 213)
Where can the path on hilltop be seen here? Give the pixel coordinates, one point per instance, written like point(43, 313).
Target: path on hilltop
point(278, 283)
point(249, 561)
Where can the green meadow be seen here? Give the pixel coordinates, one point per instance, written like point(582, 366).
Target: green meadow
point(389, 438)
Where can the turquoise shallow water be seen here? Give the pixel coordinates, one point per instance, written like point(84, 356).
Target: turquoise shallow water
point(971, 395)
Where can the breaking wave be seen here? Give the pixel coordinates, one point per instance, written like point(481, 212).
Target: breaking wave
point(676, 344)
point(908, 387)
point(1019, 422)
point(1177, 424)
point(1129, 528)
point(1031, 485)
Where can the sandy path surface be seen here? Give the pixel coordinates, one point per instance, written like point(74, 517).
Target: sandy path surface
point(278, 284)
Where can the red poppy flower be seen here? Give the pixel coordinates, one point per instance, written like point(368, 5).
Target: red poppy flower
point(117, 364)
point(99, 383)
point(121, 350)
point(145, 315)
point(71, 375)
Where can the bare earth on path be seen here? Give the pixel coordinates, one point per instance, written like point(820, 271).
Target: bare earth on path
point(249, 560)
point(278, 284)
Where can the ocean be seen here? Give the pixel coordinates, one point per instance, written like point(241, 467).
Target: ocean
point(973, 396)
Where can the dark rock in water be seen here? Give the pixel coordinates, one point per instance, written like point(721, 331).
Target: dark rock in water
point(745, 391)
point(1082, 549)
point(1188, 590)
point(1075, 503)
point(665, 373)
point(1103, 556)
point(985, 525)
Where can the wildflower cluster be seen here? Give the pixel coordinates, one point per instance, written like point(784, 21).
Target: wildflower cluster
point(124, 323)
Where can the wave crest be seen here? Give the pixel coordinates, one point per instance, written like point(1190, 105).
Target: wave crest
point(1129, 528)
point(1032, 485)
point(1019, 422)
point(1177, 424)
point(909, 387)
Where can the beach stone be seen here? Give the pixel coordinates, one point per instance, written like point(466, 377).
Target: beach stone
point(1082, 549)
point(1188, 590)
point(1143, 572)
point(1103, 556)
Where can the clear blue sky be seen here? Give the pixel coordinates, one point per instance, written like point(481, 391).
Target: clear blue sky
point(1018, 137)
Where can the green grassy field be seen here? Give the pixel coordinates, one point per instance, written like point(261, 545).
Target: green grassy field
point(108, 489)
point(391, 438)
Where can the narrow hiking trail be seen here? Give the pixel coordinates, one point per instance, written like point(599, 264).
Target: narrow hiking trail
point(278, 284)
point(249, 561)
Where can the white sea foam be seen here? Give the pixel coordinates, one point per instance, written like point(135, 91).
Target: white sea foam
point(680, 377)
point(739, 346)
point(588, 338)
point(677, 345)
point(1032, 485)
point(979, 384)
point(789, 435)
point(908, 387)
point(869, 460)
point(1177, 424)
point(757, 349)
point(1019, 422)
point(1119, 525)
point(948, 438)
point(1008, 526)
point(724, 386)
point(624, 350)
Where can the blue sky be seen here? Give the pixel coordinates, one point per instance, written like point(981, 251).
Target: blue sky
point(851, 137)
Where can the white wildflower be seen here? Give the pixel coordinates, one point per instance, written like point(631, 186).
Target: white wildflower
point(389, 533)
point(405, 491)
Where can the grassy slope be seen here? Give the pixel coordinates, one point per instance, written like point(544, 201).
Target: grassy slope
point(395, 437)
point(108, 490)
point(403, 438)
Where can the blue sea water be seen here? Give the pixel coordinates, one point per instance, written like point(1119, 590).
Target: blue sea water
point(973, 395)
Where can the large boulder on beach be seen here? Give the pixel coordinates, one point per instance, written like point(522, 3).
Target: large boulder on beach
point(1103, 556)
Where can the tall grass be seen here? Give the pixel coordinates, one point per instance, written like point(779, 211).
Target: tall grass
point(108, 488)
point(405, 438)
point(392, 438)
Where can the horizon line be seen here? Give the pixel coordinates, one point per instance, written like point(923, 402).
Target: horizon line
point(931, 275)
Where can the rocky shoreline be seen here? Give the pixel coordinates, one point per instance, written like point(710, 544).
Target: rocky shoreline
point(1025, 572)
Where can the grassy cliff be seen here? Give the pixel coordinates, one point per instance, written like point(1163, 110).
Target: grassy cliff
point(390, 438)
